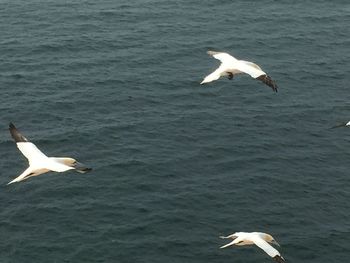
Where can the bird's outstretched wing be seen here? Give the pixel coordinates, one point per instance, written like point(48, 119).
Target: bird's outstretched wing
point(16, 135)
point(256, 72)
point(222, 56)
point(270, 250)
point(268, 81)
point(28, 149)
point(214, 75)
point(279, 259)
point(251, 64)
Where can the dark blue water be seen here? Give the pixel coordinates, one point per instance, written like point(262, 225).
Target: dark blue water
point(115, 84)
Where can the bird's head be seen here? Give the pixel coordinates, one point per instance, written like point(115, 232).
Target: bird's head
point(79, 167)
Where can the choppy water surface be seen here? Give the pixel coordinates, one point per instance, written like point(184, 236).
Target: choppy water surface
point(115, 84)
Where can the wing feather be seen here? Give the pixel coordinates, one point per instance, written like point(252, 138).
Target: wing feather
point(31, 152)
point(28, 149)
point(251, 64)
point(249, 69)
point(223, 57)
point(270, 250)
point(214, 75)
point(268, 81)
point(16, 135)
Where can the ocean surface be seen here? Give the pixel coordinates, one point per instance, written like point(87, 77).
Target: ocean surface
point(115, 84)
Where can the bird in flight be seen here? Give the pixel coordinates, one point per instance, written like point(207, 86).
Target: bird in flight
point(231, 66)
point(259, 239)
point(39, 163)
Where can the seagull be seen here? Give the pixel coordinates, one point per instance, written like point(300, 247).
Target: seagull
point(231, 66)
point(39, 163)
point(345, 124)
point(262, 240)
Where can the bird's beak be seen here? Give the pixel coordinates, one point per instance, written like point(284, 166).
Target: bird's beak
point(340, 125)
point(275, 243)
point(79, 167)
point(227, 245)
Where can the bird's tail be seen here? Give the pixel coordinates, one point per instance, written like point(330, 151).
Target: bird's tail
point(27, 173)
point(229, 244)
point(13, 181)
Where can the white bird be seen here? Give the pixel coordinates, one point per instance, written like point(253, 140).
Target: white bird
point(262, 240)
point(231, 66)
point(39, 163)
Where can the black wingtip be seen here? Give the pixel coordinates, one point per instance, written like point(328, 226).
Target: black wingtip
point(268, 81)
point(279, 259)
point(15, 134)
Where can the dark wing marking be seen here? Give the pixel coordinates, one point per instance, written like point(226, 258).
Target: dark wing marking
point(268, 81)
point(16, 135)
point(279, 259)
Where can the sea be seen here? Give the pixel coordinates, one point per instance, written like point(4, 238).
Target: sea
point(115, 85)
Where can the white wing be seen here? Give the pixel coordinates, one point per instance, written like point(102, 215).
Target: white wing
point(28, 149)
point(251, 64)
point(250, 68)
point(31, 152)
point(220, 71)
point(223, 57)
point(270, 250)
point(56, 164)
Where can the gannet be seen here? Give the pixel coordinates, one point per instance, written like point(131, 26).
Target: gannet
point(39, 163)
point(262, 240)
point(231, 66)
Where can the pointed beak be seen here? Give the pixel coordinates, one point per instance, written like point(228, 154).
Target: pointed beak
point(275, 243)
point(227, 245)
point(81, 168)
point(345, 124)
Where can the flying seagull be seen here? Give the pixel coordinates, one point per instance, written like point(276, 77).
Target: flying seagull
point(39, 163)
point(262, 240)
point(231, 66)
point(345, 124)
